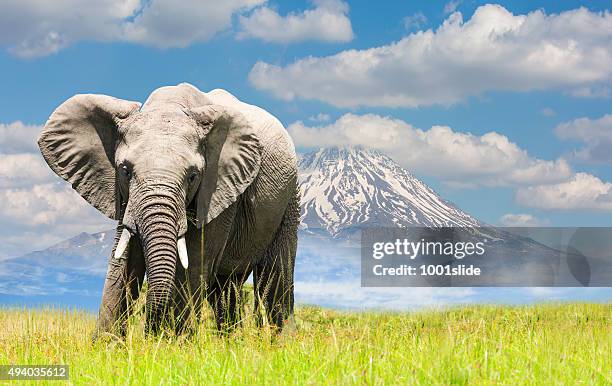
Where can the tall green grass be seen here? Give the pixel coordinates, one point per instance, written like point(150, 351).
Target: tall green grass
point(542, 344)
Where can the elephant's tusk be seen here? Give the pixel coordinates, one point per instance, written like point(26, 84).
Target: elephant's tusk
point(182, 252)
point(123, 243)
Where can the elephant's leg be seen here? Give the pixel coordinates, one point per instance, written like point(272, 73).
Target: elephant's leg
point(124, 279)
point(186, 305)
point(135, 273)
point(273, 275)
point(206, 282)
point(224, 295)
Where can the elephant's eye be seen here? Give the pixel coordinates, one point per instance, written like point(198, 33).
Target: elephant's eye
point(193, 177)
point(125, 171)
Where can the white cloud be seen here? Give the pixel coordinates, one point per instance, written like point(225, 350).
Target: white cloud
point(24, 169)
point(33, 28)
point(415, 21)
point(451, 6)
point(44, 204)
point(582, 192)
point(327, 22)
point(586, 129)
point(596, 134)
point(494, 50)
point(461, 159)
point(18, 137)
point(520, 220)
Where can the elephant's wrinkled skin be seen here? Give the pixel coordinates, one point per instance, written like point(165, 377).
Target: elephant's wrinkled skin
point(203, 166)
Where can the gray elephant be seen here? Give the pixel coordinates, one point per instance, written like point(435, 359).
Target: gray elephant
point(205, 190)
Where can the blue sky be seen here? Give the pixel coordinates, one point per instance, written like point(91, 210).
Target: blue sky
point(504, 109)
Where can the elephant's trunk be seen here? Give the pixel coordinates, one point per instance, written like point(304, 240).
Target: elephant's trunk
point(159, 220)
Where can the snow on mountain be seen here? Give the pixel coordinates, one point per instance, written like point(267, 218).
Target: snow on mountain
point(344, 188)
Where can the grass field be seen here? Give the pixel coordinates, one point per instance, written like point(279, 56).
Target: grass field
point(543, 344)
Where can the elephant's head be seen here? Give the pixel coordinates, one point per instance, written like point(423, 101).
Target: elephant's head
point(146, 166)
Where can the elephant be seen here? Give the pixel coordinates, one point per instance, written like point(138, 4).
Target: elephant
point(196, 178)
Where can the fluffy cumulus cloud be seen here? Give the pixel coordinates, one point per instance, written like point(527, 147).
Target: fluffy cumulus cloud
point(328, 21)
point(31, 28)
point(36, 207)
point(494, 50)
point(461, 159)
point(42, 204)
point(596, 134)
point(520, 220)
point(582, 192)
point(18, 137)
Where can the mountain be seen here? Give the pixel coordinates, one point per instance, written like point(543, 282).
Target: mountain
point(69, 273)
point(83, 252)
point(346, 188)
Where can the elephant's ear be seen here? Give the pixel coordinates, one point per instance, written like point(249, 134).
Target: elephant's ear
point(78, 142)
point(233, 156)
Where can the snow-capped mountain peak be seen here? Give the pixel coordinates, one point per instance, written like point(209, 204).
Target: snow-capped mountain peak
point(348, 187)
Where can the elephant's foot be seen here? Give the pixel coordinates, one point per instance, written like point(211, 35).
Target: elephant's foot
point(224, 296)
